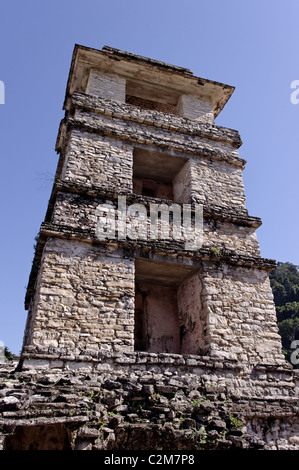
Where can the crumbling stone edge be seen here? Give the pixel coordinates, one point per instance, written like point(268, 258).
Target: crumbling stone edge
point(149, 401)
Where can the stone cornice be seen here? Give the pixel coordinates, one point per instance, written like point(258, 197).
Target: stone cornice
point(130, 66)
point(232, 215)
point(159, 247)
point(138, 136)
point(157, 119)
point(187, 136)
point(126, 358)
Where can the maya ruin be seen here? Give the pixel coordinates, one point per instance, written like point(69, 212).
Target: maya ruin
point(133, 341)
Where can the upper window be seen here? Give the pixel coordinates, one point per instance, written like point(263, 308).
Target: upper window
point(151, 97)
point(160, 175)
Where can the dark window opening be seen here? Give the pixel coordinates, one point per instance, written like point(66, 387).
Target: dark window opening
point(147, 191)
point(152, 97)
point(168, 308)
point(160, 175)
point(40, 437)
point(151, 105)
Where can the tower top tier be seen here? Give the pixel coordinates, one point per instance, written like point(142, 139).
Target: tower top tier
point(125, 77)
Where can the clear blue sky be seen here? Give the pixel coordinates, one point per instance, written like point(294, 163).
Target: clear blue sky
point(252, 45)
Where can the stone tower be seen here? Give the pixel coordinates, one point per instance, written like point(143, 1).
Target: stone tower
point(145, 313)
point(144, 130)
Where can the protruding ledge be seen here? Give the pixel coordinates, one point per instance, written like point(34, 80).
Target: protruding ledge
point(129, 65)
point(42, 357)
point(142, 248)
point(126, 111)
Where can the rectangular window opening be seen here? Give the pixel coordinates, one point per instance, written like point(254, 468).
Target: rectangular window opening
point(165, 319)
point(160, 175)
point(152, 97)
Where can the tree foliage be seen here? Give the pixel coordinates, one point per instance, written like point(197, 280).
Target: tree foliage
point(285, 286)
point(5, 352)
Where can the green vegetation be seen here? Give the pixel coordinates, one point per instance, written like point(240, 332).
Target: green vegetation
point(4, 351)
point(285, 286)
point(198, 402)
point(215, 252)
point(235, 422)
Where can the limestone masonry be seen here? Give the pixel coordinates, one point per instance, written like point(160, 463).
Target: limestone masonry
point(140, 343)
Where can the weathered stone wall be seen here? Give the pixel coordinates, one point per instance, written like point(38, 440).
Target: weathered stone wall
point(181, 188)
point(145, 401)
point(242, 318)
point(86, 301)
point(192, 107)
point(147, 127)
point(72, 210)
point(217, 183)
point(106, 85)
point(94, 160)
point(193, 315)
point(85, 298)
